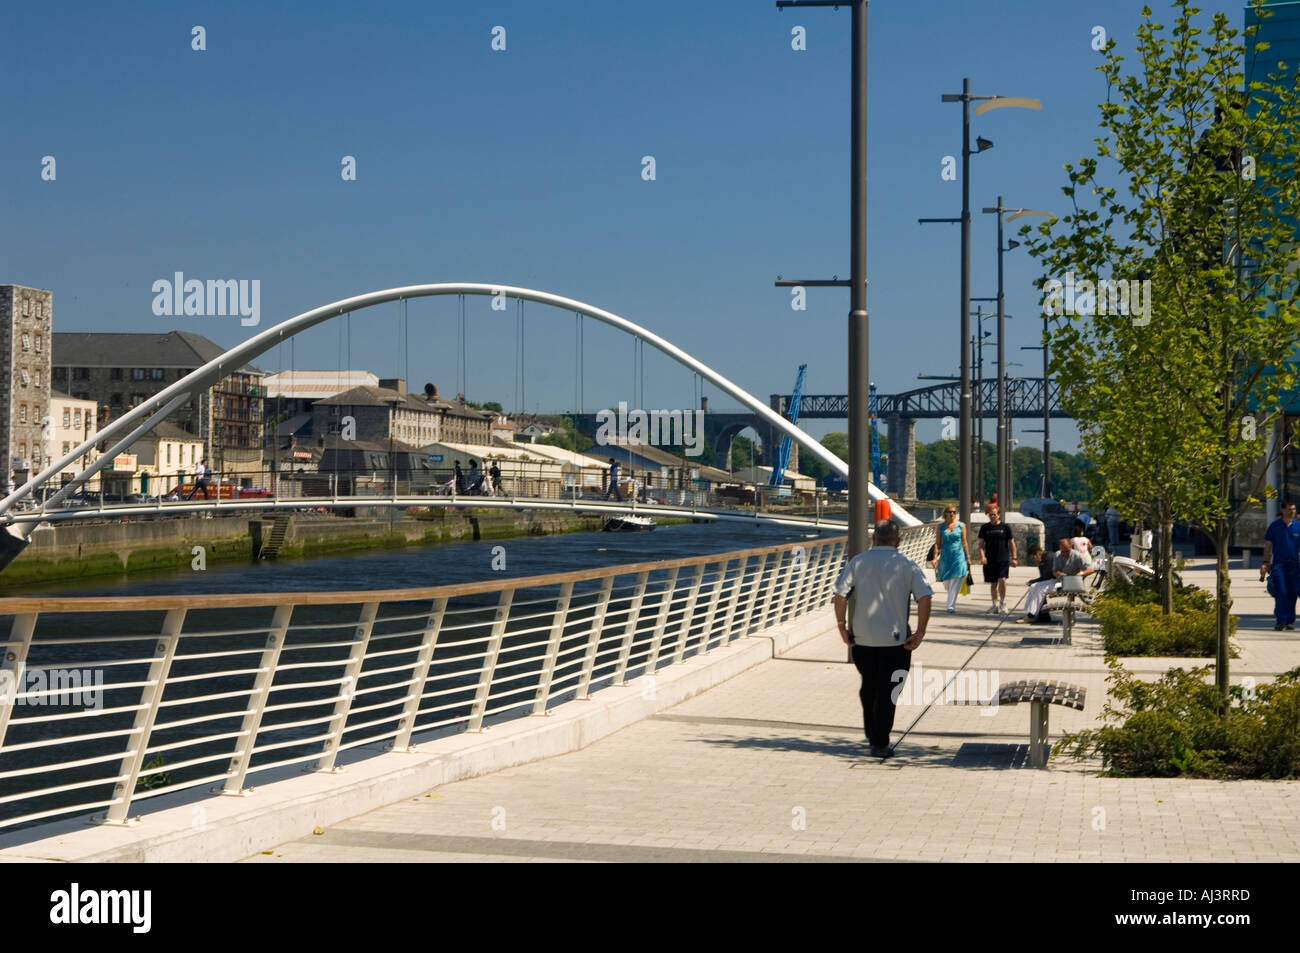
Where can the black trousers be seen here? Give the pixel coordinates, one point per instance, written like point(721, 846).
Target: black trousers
point(878, 668)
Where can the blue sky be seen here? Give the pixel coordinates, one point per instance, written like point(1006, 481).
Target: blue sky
point(524, 167)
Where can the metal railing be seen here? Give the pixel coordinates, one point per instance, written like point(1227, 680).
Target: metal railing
point(105, 702)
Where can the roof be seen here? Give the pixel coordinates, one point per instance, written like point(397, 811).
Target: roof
point(336, 444)
point(379, 397)
point(646, 457)
point(166, 430)
point(315, 384)
point(122, 349)
point(60, 395)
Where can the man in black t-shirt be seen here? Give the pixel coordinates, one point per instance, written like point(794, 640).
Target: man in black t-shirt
point(998, 555)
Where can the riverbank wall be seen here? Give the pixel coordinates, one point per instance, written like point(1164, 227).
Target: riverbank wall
point(74, 551)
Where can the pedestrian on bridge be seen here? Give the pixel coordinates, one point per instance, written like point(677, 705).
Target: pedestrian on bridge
point(201, 473)
point(882, 582)
point(949, 562)
point(613, 481)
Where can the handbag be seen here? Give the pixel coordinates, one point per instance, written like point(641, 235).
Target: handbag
point(966, 584)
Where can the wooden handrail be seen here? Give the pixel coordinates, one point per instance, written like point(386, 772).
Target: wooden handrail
point(20, 605)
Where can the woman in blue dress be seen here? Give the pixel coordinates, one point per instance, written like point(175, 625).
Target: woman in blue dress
point(950, 565)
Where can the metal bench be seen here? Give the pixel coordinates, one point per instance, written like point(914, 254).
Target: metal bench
point(1040, 695)
point(1074, 594)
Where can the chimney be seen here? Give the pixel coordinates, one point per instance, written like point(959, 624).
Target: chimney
point(393, 383)
point(704, 404)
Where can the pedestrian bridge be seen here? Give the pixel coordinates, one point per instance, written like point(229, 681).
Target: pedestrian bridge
point(116, 707)
point(119, 435)
point(405, 502)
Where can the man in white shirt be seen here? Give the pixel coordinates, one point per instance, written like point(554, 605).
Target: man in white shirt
point(883, 583)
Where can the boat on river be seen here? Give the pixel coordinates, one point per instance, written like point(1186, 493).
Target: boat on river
point(628, 523)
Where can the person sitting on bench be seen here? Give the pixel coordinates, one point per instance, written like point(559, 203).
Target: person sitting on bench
point(1067, 562)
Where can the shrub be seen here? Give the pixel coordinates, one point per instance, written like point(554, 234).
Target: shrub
point(1172, 727)
point(1141, 628)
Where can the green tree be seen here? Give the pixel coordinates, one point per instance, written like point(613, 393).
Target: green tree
point(742, 452)
point(1175, 396)
point(565, 436)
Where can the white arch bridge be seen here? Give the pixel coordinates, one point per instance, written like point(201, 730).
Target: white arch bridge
point(126, 430)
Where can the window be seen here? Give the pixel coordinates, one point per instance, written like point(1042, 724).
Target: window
point(137, 373)
point(36, 413)
point(38, 344)
point(22, 413)
point(60, 373)
point(169, 454)
point(27, 307)
point(36, 458)
point(81, 373)
point(67, 448)
point(157, 374)
point(26, 379)
point(76, 418)
point(38, 377)
point(115, 374)
point(22, 449)
point(67, 417)
point(116, 400)
point(27, 341)
point(192, 449)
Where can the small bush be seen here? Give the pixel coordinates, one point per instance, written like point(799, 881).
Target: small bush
point(1143, 629)
point(1145, 590)
point(1171, 727)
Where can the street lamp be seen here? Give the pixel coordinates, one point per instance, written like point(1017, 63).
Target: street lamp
point(859, 396)
point(1004, 476)
point(986, 103)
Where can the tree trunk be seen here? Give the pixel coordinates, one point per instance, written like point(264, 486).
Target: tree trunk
point(1166, 565)
point(1223, 604)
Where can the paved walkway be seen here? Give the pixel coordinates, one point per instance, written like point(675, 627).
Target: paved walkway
point(769, 767)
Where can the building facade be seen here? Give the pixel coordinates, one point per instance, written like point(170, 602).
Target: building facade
point(72, 422)
point(387, 412)
point(119, 371)
point(26, 316)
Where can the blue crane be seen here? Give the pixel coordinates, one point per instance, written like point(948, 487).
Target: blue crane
point(783, 454)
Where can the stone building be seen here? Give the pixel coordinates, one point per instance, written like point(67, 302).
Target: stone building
point(121, 370)
point(26, 316)
point(386, 411)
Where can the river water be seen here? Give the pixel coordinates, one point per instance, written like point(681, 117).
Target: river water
point(441, 564)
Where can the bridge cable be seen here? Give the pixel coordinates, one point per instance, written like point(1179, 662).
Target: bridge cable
point(460, 344)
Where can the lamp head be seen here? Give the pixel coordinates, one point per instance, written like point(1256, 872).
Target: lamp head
point(982, 144)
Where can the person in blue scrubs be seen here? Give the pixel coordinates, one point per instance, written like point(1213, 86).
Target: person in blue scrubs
point(1282, 561)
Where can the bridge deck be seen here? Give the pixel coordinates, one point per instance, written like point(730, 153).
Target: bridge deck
point(729, 774)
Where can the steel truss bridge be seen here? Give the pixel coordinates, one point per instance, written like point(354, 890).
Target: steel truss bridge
point(1024, 401)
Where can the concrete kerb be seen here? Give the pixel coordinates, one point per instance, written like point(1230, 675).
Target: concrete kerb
point(187, 827)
